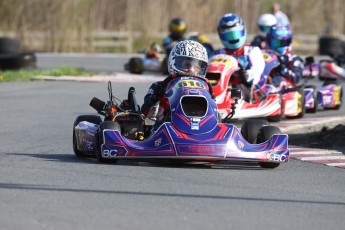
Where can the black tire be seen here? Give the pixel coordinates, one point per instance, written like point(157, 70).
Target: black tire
point(330, 46)
point(264, 134)
point(164, 66)
point(105, 125)
point(314, 109)
point(250, 129)
point(135, 65)
point(278, 117)
point(9, 45)
point(15, 61)
point(90, 118)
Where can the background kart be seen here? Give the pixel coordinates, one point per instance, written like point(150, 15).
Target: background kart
point(330, 95)
point(156, 59)
point(191, 133)
point(265, 102)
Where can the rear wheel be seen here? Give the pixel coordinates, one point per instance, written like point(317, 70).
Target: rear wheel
point(89, 118)
point(264, 134)
point(135, 65)
point(105, 125)
point(164, 66)
point(250, 129)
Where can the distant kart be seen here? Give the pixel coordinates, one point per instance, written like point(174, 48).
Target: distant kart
point(330, 95)
point(192, 131)
point(154, 60)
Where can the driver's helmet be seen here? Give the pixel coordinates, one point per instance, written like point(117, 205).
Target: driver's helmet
point(265, 22)
point(232, 31)
point(177, 28)
point(188, 58)
point(279, 38)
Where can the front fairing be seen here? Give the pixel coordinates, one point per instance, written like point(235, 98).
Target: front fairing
point(187, 89)
point(224, 142)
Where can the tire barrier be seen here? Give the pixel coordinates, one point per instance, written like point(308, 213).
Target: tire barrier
point(11, 57)
point(333, 47)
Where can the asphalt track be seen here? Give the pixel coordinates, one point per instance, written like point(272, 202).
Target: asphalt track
point(44, 186)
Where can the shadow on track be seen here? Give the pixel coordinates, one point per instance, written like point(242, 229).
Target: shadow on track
point(154, 194)
point(71, 158)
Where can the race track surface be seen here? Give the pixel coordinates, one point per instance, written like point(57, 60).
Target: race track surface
point(44, 186)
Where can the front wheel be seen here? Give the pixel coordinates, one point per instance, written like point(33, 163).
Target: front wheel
point(135, 65)
point(250, 128)
point(105, 125)
point(89, 118)
point(264, 134)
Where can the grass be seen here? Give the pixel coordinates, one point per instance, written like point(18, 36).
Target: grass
point(27, 74)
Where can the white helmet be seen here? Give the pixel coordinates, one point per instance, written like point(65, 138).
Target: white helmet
point(188, 58)
point(265, 21)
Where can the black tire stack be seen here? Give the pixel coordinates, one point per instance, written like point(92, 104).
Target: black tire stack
point(11, 57)
point(332, 47)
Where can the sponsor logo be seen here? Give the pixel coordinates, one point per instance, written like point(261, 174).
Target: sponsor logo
point(240, 144)
point(195, 126)
point(277, 157)
point(158, 142)
point(109, 153)
point(190, 84)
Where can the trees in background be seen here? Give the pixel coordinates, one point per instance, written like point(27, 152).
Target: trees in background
point(75, 19)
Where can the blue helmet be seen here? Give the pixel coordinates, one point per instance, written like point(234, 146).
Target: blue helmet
point(279, 38)
point(232, 31)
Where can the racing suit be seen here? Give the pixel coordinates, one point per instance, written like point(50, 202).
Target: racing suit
point(169, 42)
point(250, 76)
point(259, 41)
point(290, 69)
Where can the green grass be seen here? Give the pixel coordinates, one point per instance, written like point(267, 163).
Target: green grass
point(27, 74)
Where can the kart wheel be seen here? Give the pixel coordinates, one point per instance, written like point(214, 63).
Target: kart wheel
point(164, 66)
point(314, 109)
point(89, 118)
point(250, 129)
point(135, 66)
point(105, 125)
point(264, 134)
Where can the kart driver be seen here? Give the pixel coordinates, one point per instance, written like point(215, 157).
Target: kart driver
point(187, 58)
point(232, 33)
point(265, 22)
point(177, 29)
point(279, 39)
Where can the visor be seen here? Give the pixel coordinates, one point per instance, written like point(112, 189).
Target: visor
point(279, 43)
point(232, 34)
point(190, 65)
point(264, 29)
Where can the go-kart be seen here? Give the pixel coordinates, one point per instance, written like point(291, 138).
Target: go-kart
point(330, 95)
point(266, 101)
point(190, 132)
point(154, 60)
